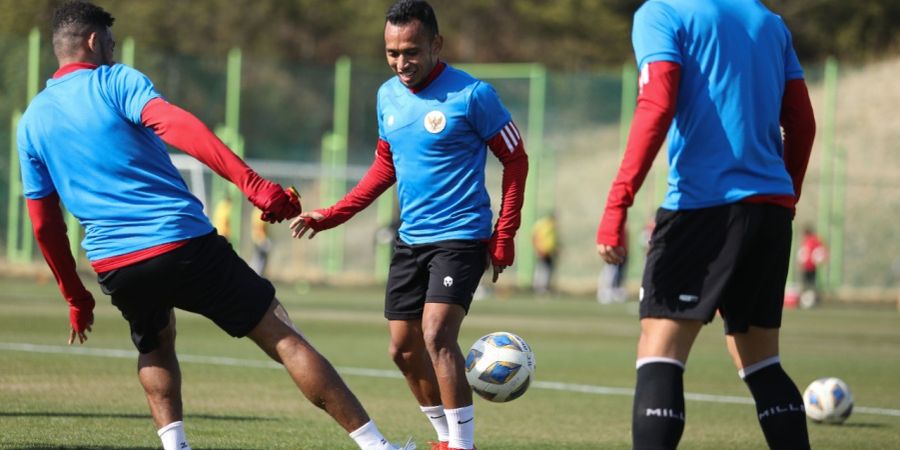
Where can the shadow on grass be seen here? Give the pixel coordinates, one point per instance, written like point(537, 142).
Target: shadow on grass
point(127, 416)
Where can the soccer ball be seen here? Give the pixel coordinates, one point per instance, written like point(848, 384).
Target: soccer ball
point(828, 400)
point(499, 366)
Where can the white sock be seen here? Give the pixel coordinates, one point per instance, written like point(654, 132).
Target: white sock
point(461, 422)
point(367, 437)
point(172, 436)
point(438, 419)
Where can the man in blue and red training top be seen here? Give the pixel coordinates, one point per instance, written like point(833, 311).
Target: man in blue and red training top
point(95, 139)
point(435, 124)
point(723, 78)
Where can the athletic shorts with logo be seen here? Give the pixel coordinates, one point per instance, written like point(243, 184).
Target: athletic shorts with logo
point(440, 272)
point(731, 258)
point(204, 276)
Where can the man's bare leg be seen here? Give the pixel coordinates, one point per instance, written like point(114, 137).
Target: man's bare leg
point(407, 350)
point(160, 375)
point(313, 374)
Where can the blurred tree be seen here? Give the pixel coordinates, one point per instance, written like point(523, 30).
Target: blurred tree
point(857, 30)
point(563, 34)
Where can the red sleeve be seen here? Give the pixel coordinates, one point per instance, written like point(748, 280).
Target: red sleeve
point(377, 179)
point(187, 133)
point(799, 126)
point(655, 109)
point(508, 147)
point(50, 233)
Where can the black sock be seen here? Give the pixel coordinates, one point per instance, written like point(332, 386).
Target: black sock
point(779, 408)
point(658, 416)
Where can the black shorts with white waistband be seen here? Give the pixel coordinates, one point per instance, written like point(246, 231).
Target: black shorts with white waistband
point(440, 272)
point(732, 258)
point(204, 276)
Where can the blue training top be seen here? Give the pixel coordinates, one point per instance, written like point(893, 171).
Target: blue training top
point(82, 137)
point(438, 143)
point(725, 143)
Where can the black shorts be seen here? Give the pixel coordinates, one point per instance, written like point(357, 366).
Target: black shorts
point(732, 258)
point(204, 276)
point(809, 279)
point(442, 272)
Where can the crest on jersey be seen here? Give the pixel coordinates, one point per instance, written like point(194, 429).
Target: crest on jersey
point(435, 122)
point(390, 120)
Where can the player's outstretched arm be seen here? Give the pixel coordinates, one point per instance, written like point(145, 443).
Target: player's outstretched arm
point(377, 179)
point(50, 233)
point(507, 145)
point(186, 132)
point(652, 118)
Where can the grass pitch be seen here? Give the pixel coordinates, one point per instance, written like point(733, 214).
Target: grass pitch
point(88, 397)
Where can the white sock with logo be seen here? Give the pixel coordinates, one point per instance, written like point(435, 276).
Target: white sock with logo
point(438, 419)
point(367, 437)
point(172, 436)
point(461, 422)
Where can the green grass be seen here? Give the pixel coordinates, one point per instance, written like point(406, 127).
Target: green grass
point(68, 400)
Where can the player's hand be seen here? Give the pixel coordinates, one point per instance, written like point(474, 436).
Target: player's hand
point(612, 254)
point(497, 271)
point(278, 204)
point(81, 317)
point(280, 211)
point(275, 202)
point(502, 252)
point(306, 223)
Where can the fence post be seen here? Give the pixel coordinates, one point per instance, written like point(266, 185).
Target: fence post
point(385, 221)
point(14, 196)
point(537, 184)
point(33, 85)
point(232, 121)
point(229, 133)
point(334, 162)
point(644, 201)
point(828, 170)
point(128, 51)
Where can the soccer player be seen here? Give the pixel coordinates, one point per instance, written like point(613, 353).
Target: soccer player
point(94, 139)
point(723, 78)
point(435, 123)
point(810, 256)
point(545, 242)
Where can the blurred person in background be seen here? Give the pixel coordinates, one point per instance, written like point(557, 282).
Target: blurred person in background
point(435, 126)
point(95, 140)
point(546, 248)
point(810, 255)
point(723, 79)
point(262, 245)
point(221, 218)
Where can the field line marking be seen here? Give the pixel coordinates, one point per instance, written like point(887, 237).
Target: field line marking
point(379, 373)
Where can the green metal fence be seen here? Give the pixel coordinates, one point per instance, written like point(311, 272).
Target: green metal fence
point(314, 126)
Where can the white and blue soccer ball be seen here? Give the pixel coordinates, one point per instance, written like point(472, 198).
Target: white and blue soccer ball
point(499, 366)
point(828, 400)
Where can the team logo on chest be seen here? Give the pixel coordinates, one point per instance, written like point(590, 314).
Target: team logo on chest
point(435, 122)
